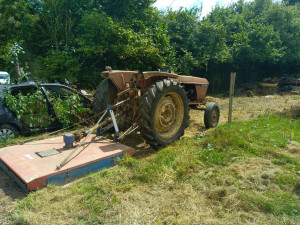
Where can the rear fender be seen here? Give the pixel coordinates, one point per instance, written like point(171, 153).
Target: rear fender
point(122, 78)
point(145, 79)
point(119, 78)
point(199, 85)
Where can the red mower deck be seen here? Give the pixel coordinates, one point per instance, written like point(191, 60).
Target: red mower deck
point(32, 172)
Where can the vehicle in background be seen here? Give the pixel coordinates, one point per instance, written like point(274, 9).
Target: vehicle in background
point(11, 126)
point(4, 77)
point(287, 84)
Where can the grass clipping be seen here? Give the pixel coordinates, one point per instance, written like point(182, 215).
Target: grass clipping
point(240, 173)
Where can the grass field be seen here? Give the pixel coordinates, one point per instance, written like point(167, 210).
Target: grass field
point(242, 173)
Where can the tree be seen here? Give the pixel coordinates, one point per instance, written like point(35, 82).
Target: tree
point(286, 21)
point(229, 41)
point(182, 28)
point(15, 23)
point(110, 44)
point(75, 39)
point(291, 2)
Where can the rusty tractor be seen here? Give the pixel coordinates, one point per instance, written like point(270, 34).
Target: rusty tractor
point(155, 102)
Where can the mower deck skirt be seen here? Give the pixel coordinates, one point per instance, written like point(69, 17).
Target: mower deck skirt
point(33, 171)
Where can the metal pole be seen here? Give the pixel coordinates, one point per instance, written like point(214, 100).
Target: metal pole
point(81, 143)
point(90, 132)
point(231, 92)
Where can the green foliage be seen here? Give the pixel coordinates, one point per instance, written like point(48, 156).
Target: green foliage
point(4, 54)
point(108, 43)
point(22, 72)
point(31, 108)
point(241, 44)
point(60, 65)
point(132, 14)
point(15, 22)
point(75, 40)
point(182, 28)
point(55, 28)
point(285, 21)
point(291, 2)
point(69, 110)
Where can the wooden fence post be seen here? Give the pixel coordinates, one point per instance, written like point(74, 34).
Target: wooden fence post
point(231, 92)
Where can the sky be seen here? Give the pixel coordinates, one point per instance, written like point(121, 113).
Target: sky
point(207, 4)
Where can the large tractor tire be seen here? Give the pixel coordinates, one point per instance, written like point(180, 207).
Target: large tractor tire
point(163, 113)
point(106, 94)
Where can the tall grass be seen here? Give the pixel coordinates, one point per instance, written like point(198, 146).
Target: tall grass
point(244, 172)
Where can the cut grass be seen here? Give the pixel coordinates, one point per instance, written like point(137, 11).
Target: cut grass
point(238, 173)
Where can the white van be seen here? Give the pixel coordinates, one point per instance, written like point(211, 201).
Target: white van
point(4, 78)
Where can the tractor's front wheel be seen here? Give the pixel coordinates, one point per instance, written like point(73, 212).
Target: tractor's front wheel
point(163, 113)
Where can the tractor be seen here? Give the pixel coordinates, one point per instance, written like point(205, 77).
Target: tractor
point(156, 103)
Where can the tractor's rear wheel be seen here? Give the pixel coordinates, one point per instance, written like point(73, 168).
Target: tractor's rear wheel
point(163, 113)
point(106, 94)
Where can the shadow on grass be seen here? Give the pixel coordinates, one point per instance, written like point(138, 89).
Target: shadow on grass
point(9, 188)
point(143, 150)
point(10, 192)
point(296, 189)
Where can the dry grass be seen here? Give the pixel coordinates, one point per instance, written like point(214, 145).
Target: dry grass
point(212, 197)
point(177, 186)
point(9, 193)
point(207, 203)
point(244, 109)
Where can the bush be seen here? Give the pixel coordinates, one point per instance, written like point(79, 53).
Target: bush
point(69, 110)
point(32, 108)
